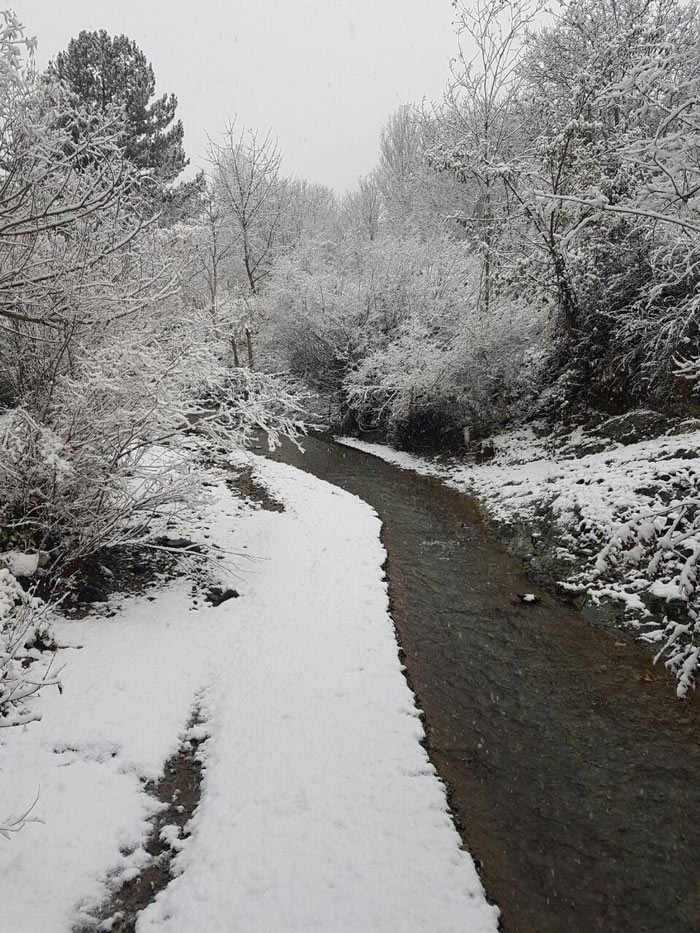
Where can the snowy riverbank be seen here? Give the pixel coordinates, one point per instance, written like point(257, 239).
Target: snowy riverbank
point(319, 808)
point(615, 521)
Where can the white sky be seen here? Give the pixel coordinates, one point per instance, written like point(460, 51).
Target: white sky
point(323, 74)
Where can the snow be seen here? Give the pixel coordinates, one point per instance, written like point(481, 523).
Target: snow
point(667, 591)
point(20, 565)
point(320, 809)
point(10, 591)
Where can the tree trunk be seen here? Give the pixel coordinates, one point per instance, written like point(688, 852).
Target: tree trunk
point(249, 343)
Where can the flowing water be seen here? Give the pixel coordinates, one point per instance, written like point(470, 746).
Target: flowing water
point(571, 767)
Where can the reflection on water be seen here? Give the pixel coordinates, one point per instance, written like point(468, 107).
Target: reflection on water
point(572, 770)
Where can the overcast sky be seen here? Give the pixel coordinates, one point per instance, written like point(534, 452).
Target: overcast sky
point(323, 74)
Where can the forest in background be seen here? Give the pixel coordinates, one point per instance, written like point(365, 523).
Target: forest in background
point(525, 248)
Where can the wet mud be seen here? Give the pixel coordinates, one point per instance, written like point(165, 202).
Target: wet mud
point(178, 791)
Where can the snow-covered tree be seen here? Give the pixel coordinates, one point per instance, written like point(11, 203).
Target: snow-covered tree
point(252, 194)
point(611, 92)
point(361, 212)
point(479, 126)
point(417, 199)
point(102, 357)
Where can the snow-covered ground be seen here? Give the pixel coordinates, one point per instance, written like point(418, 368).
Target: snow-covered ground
point(624, 520)
point(319, 809)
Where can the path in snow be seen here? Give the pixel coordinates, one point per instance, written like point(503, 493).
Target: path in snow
point(320, 809)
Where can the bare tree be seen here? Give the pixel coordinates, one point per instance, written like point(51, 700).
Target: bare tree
point(214, 247)
point(480, 125)
point(361, 211)
point(252, 196)
point(400, 157)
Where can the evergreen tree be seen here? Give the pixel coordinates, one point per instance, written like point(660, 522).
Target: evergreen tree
point(105, 71)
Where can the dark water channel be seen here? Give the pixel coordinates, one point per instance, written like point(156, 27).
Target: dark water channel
point(572, 771)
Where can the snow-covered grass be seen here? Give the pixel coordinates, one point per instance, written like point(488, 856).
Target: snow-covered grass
point(320, 809)
point(624, 520)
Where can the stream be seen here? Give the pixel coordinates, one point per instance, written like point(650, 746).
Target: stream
point(571, 768)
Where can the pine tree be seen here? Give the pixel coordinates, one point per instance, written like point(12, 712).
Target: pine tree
point(105, 71)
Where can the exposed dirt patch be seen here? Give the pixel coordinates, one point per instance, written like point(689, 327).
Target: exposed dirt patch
point(244, 484)
point(128, 571)
point(179, 791)
point(137, 571)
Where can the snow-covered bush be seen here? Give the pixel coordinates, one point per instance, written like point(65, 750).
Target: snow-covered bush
point(25, 640)
point(81, 474)
point(472, 372)
point(397, 334)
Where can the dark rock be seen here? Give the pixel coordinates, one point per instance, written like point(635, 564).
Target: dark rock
point(178, 544)
point(486, 452)
point(633, 426)
point(685, 426)
point(217, 595)
point(90, 593)
point(660, 607)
